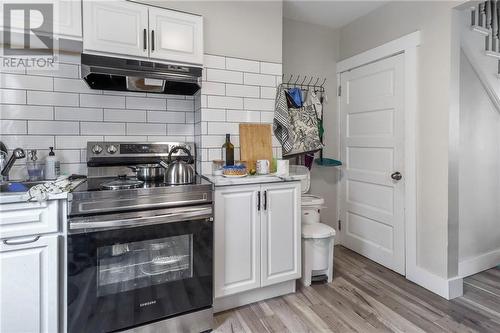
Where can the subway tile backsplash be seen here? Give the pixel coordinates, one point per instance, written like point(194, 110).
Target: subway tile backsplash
point(56, 108)
point(234, 91)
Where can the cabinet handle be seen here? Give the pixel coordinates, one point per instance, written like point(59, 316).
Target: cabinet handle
point(265, 200)
point(152, 40)
point(13, 242)
point(258, 201)
point(145, 39)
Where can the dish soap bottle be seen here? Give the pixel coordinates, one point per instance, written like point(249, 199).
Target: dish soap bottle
point(52, 165)
point(228, 151)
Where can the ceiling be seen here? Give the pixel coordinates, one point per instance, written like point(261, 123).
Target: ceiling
point(332, 13)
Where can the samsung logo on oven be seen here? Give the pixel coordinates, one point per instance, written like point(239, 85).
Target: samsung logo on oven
point(147, 303)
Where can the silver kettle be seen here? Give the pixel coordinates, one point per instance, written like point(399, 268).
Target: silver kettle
point(179, 172)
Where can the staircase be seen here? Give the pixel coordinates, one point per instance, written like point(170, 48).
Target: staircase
point(485, 20)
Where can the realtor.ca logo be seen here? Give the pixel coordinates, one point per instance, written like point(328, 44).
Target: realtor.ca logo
point(28, 35)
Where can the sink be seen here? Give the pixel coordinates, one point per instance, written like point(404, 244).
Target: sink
point(18, 187)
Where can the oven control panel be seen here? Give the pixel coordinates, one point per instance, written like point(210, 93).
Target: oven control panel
point(115, 150)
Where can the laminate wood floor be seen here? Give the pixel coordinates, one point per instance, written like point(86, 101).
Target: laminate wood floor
point(366, 297)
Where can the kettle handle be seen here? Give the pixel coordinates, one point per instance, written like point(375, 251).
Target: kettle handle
point(176, 148)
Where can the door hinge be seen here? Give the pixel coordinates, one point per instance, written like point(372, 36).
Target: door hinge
point(340, 90)
point(340, 225)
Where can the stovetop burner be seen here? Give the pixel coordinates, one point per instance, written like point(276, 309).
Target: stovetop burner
point(105, 184)
point(121, 183)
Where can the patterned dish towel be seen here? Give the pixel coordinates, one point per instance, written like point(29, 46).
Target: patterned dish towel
point(41, 192)
point(281, 124)
point(304, 130)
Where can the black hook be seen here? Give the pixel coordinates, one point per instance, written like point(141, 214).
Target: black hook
point(305, 78)
point(316, 83)
point(323, 83)
point(298, 77)
point(310, 80)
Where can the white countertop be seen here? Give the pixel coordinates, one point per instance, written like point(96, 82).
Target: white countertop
point(13, 197)
point(248, 180)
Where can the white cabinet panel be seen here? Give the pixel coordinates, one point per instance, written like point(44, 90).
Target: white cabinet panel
point(64, 20)
point(237, 240)
point(280, 233)
point(28, 218)
point(29, 286)
point(176, 36)
point(115, 27)
point(69, 19)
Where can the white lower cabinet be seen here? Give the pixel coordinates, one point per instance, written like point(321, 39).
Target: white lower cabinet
point(257, 236)
point(29, 284)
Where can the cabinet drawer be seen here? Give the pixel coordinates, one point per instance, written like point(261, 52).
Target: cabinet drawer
point(28, 218)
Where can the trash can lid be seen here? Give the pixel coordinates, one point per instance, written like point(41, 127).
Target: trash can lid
point(312, 200)
point(317, 230)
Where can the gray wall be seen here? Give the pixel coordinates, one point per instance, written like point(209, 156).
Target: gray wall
point(479, 179)
point(313, 50)
point(241, 29)
point(433, 19)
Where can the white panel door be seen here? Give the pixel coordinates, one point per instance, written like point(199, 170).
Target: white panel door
point(372, 141)
point(280, 233)
point(176, 36)
point(29, 285)
point(236, 240)
point(118, 27)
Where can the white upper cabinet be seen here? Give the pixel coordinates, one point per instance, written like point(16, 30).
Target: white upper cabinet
point(116, 27)
point(29, 285)
point(237, 246)
point(130, 29)
point(68, 22)
point(176, 36)
point(64, 20)
point(280, 233)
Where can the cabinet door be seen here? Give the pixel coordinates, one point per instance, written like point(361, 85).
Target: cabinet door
point(280, 233)
point(115, 27)
point(176, 36)
point(236, 240)
point(64, 21)
point(69, 22)
point(28, 285)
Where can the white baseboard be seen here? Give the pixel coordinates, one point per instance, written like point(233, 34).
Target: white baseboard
point(478, 264)
point(252, 296)
point(446, 288)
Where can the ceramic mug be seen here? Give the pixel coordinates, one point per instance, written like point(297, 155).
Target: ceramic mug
point(282, 168)
point(263, 167)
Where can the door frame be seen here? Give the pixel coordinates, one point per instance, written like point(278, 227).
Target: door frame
point(406, 45)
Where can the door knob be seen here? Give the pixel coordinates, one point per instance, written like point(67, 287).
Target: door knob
point(396, 175)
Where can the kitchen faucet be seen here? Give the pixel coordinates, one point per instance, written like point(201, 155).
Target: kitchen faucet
point(18, 153)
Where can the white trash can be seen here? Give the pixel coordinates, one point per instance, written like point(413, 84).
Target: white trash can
point(317, 252)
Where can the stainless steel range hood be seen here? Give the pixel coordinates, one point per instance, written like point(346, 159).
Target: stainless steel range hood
point(109, 73)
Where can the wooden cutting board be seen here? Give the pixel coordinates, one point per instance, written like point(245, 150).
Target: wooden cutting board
point(255, 143)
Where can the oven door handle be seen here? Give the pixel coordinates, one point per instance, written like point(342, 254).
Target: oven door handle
point(186, 213)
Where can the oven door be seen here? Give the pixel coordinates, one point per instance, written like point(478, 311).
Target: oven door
point(126, 270)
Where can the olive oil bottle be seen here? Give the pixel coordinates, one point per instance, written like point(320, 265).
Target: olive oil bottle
point(228, 151)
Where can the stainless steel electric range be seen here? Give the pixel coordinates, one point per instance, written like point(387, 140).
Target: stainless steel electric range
point(139, 252)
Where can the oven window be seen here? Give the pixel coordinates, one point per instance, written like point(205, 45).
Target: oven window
point(128, 266)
